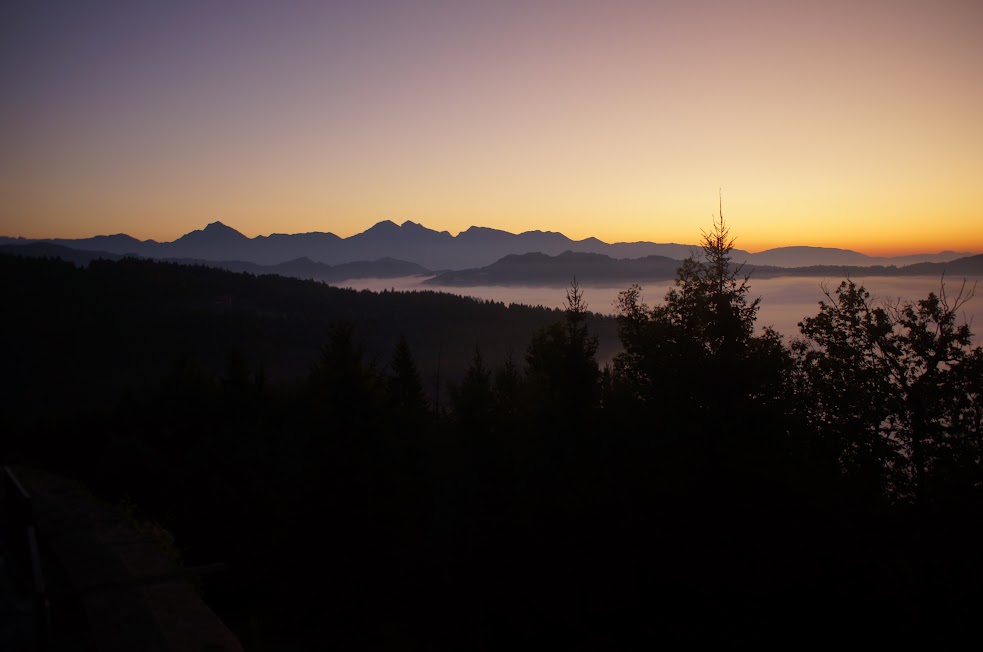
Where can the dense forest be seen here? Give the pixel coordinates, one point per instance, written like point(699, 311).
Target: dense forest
point(443, 473)
point(83, 335)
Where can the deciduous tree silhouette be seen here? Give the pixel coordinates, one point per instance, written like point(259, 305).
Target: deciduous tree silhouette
point(885, 390)
point(843, 385)
point(927, 346)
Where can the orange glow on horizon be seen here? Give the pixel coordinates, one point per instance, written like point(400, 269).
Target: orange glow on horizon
point(837, 124)
point(747, 240)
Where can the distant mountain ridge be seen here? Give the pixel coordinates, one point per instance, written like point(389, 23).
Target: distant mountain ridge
point(599, 270)
point(530, 269)
point(414, 243)
point(801, 256)
point(302, 268)
point(544, 270)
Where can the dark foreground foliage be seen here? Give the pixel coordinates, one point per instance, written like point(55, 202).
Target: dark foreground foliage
point(536, 498)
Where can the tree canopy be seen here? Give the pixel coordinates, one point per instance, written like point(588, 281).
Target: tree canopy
point(710, 458)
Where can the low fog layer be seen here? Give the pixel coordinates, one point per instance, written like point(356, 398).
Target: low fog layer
point(784, 301)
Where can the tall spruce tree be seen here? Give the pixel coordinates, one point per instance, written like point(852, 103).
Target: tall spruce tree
point(693, 361)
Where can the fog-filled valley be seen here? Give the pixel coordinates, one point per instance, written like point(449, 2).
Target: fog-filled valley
point(785, 301)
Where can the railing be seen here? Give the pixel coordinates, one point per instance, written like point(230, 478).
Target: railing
point(105, 583)
point(18, 524)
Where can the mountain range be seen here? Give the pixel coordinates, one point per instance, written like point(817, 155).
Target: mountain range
point(302, 268)
point(599, 270)
point(437, 250)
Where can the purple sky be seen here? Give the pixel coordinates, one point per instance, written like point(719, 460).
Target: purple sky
point(852, 124)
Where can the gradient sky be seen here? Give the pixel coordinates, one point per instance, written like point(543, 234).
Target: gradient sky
point(848, 124)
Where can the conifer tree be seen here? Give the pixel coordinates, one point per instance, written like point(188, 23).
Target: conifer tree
point(404, 385)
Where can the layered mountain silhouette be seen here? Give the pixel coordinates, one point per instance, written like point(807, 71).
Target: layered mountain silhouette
point(596, 269)
point(476, 247)
point(808, 256)
point(302, 268)
point(409, 241)
point(542, 269)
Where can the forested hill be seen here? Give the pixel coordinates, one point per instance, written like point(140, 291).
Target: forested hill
point(556, 271)
point(303, 268)
point(711, 467)
point(82, 336)
point(539, 269)
point(967, 266)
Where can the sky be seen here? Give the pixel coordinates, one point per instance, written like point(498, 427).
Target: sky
point(844, 124)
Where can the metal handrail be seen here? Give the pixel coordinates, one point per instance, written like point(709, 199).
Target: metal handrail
point(20, 517)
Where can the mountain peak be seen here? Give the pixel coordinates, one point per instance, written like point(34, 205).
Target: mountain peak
point(219, 227)
point(410, 226)
point(214, 232)
point(389, 231)
point(384, 225)
point(484, 231)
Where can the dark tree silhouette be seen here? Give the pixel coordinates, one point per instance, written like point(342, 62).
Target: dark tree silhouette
point(404, 388)
point(709, 300)
point(562, 370)
point(881, 389)
point(693, 362)
point(472, 401)
point(926, 348)
point(710, 460)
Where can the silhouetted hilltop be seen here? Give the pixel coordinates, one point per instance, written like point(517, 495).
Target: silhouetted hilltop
point(806, 256)
point(382, 268)
point(119, 325)
point(120, 241)
point(302, 268)
point(829, 256)
point(971, 265)
point(535, 268)
point(305, 268)
point(203, 243)
point(596, 269)
point(282, 247)
point(56, 251)
point(967, 266)
point(541, 269)
point(473, 248)
point(214, 233)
